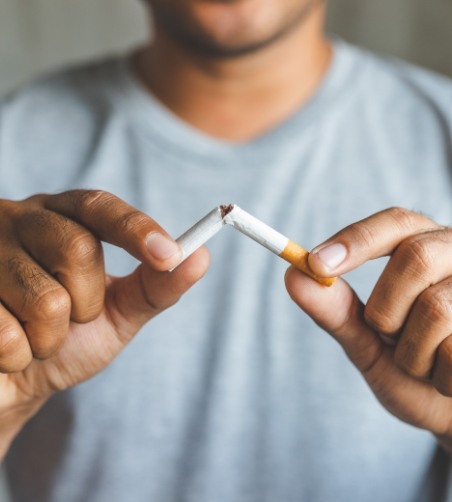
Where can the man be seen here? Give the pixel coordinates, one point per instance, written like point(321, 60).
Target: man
point(233, 394)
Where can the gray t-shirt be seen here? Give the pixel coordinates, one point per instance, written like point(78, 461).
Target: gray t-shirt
point(233, 395)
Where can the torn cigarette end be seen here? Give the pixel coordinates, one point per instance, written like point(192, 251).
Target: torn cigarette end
point(298, 257)
point(232, 215)
point(225, 209)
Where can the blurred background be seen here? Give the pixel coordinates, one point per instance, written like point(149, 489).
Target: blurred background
point(37, 36)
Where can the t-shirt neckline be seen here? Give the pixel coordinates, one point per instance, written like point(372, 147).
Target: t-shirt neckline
point(155, 120)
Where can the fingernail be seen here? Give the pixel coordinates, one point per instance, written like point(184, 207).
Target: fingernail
point(160, 247)
point(332, 256)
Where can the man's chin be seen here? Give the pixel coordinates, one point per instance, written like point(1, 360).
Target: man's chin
point(222, 48)
point(231, 28)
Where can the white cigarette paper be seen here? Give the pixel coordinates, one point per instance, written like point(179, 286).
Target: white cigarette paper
point(268, 237)
point(200, 232)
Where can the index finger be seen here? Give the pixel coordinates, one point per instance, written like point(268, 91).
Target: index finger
point(373, 237)
point(114, 221)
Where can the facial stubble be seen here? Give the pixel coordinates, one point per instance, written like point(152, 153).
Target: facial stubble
point(238, 38)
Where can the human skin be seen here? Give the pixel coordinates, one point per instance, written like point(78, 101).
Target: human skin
point(214, 54)
point(247, 64)
point(400, 340)
point(249, 73)
point(412, 377)
point(62, 318)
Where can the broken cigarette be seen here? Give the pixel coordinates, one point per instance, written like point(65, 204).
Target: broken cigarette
point(268, 237)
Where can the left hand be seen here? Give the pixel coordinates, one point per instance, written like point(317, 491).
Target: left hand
point(401, 340)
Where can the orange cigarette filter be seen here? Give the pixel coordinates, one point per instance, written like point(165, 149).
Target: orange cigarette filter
point(298, 257)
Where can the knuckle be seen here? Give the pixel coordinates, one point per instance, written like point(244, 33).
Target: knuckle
point(52, 304)
point(90, 199)
point(435, 306)
point(415, 253)
point(402, 217)
point(83, 248)
point(27, 277)
point(130, 222)
point(379, 319)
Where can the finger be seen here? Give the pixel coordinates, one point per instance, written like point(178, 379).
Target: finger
point(133, 300)
point(442, 373)
point(339, 312)
point(428, 325)
point(15, 351)
point(373, 237)
point(118, 223)
point(38, 302)
point(416, 264)
point(69, 253)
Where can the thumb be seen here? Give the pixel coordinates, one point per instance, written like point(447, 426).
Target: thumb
point(133, 300)
point(338, 311)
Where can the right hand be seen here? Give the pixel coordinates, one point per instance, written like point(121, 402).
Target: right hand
point(62, 319)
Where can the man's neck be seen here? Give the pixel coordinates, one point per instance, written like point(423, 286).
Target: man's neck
point(238, 98)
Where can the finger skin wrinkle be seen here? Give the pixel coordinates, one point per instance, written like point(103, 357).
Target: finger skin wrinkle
point(403, 219)
point(117, 315)
point(45, 347)
point(428, 325)
point(152, 304)
point(377, 319)
point(436, 307)
point(10, 339)
point(352, 310)
point(369, 368)
point(91, 199)
point(355, 310)
point(416, 254)
point(28, 278)
point(365, 235)
point(52, 304)
point(84, 249)
point(42, 298)
point(405, 357)
point(15, 353)
point(440, 234)
point(129, 223)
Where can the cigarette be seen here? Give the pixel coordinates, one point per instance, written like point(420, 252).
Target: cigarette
point(231, 214)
